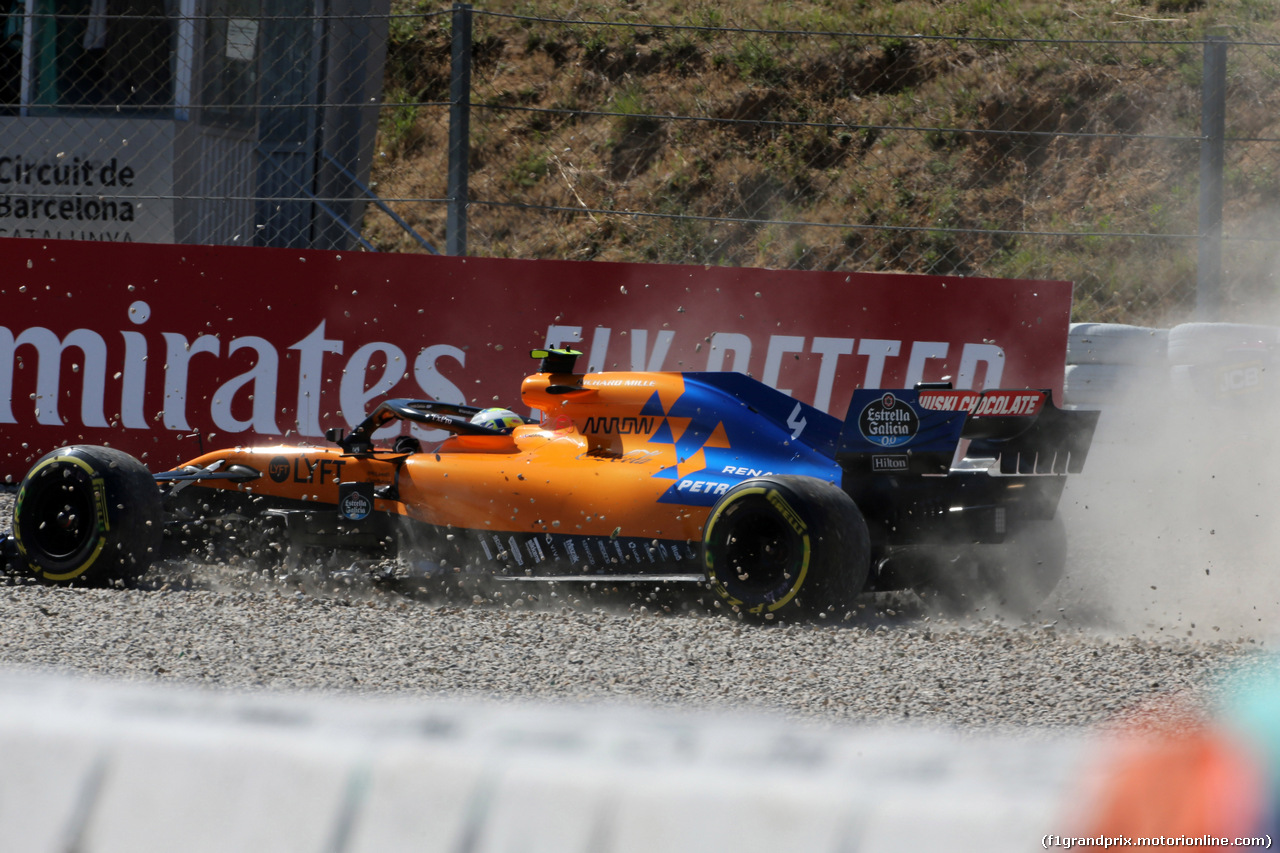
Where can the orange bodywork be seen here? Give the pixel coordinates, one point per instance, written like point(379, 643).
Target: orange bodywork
point(587, 469)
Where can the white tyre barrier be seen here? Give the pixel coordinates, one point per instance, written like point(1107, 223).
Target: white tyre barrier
point(1210, 343)
point(1241, 380)
point(1097, 385)
point(1224, 363)
point(1182, 385)
point(1091, 384)
point(1108, 363)
point(1116, 343)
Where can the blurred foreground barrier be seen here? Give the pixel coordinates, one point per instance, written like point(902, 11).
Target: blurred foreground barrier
point(1195, 782)
point(97, 767)
point(93, 767)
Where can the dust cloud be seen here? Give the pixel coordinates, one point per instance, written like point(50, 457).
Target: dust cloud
point(1172, 527)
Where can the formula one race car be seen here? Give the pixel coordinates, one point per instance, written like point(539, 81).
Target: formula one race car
point(712, 479)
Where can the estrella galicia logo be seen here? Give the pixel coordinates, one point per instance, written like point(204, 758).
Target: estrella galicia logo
point(888, 422)
point(355, 506)
point(279, 468)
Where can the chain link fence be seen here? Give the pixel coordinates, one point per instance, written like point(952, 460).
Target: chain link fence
point(711, 140)
point(807, 149)
point(1250, 176)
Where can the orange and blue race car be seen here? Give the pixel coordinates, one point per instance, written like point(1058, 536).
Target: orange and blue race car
point(709, 479)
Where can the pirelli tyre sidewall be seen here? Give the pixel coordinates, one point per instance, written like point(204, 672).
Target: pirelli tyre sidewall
point(776, 546)
point(87, 516)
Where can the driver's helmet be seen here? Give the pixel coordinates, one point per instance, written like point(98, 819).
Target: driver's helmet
point(499, 419)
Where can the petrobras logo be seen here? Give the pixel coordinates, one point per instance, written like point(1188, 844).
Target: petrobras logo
point(888, 422)
point(897, 462)
point(708, 487)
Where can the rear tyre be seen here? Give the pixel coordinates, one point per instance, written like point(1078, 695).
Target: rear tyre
point(87, 516)
point(1021, 573)
point(780, 546)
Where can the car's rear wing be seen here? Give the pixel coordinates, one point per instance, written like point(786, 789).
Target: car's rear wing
point(918, 431)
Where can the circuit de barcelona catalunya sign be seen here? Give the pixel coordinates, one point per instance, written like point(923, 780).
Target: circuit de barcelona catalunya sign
point(158, 349)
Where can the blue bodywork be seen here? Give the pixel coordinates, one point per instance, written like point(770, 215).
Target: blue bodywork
point(764, 432)
point(881, 454)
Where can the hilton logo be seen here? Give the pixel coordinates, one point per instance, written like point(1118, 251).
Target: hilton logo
point(889, 463)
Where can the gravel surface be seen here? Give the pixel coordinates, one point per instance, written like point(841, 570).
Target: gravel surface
point(972, 675)
point(219, 626)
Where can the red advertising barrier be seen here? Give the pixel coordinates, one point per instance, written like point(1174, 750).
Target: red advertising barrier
point(143, 346)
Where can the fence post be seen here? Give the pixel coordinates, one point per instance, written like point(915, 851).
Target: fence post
point(459, 131)
point(1213, 115)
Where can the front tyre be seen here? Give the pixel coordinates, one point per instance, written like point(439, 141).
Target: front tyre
point(783, 545)
point(88, 516)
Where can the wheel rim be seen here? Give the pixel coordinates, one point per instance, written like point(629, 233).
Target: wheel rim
point(71, 523)
point(759, 555)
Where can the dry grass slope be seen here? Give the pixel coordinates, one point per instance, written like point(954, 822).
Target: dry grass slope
point(849, 157)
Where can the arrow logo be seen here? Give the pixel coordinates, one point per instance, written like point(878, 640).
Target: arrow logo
point(796, 422)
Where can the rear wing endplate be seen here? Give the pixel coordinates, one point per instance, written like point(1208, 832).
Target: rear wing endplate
point(919, 432)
